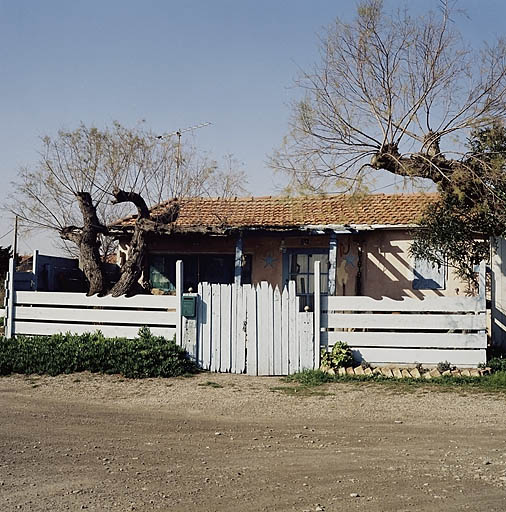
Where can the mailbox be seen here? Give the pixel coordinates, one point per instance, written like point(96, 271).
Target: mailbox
point(189, 306)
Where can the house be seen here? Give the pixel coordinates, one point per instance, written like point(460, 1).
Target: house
point(362, 243)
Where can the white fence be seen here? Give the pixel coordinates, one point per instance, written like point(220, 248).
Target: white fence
point(260, 331)
point(256, 330)
point(409, 331)
point(51, 312)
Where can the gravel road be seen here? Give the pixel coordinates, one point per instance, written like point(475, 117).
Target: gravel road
point(234, 443)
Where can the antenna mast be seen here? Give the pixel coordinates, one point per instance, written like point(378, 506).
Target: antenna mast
point(179, 133)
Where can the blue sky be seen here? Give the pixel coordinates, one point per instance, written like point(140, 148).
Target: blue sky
point(174, 64)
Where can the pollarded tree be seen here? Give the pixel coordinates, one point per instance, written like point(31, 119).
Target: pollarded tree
point(88, 177)
point(393, 92)
point(457, 229)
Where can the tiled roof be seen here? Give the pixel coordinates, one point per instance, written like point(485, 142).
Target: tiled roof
point(293, 212)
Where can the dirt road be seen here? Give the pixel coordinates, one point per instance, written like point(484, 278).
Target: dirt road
point(87, 442)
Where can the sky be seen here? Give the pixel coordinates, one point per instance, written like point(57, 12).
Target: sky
point(173, 64)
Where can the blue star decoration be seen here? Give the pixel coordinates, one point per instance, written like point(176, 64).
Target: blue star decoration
point(269, 261)
point(350, 259)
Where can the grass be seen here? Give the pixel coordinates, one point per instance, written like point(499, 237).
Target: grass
point(496, 382)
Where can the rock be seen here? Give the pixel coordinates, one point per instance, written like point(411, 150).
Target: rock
point(456, 372)
point(368, 371)
point(415, 373)
point(350, 371)
point(485, 371)
point(435, 373)
point(474, 372)
point(465, 372)
point(331, 371)
point(359, 370)
point(397, 373)
point(406, 374)
point(387, 372)
point(354, 495)
point(341, 371)
point(377, 371)
point(446, 373)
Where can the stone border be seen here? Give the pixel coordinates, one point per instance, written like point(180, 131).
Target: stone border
point(408, 373)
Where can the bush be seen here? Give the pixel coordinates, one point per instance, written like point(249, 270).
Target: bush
point(497, 364)
point(444, 366)
point(340, 356)
point(144, 356)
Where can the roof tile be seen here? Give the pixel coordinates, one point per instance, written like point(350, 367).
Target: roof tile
point(286, 212)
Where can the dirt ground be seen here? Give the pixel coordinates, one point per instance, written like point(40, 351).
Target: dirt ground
point(229, 443)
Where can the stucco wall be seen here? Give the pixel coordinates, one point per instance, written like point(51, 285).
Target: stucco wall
point(381, 256)
point(386, 267)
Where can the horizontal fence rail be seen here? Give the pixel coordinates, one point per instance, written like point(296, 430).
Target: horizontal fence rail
point(48, 313)
point(408, 331)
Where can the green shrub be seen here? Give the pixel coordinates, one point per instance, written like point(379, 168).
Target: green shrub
point(339, 356)
point(497, 364)
point(444, 366)
point(144, 356)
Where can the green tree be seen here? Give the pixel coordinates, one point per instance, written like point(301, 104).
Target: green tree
point(458, 227)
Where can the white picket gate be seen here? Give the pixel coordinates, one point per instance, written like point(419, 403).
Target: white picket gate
point(257, 330)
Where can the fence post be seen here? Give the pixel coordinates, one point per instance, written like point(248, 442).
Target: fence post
point(179, 299)
point(9, 297)
point(189, 330)
point(482, 285)
point(316, 323)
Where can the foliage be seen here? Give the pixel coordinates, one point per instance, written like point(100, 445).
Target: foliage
point(487, 383)
point(144, 356)
point(497, 364)
point(443, 366)
point(457, 228)
point(339, 356)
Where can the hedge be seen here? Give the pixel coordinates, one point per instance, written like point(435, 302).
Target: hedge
point(144, 356)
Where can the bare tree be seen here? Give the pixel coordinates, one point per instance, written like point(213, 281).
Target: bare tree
point(88, 177)
point(395, 92)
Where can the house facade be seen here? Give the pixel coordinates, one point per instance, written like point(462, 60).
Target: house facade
point(362, 244)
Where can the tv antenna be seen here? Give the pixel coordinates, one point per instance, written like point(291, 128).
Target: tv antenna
point(179, 133)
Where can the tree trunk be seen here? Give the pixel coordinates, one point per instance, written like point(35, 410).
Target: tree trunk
point(86, 238)
point(131, 270)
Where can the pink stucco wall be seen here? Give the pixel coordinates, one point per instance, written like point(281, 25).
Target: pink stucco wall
point(381, 256)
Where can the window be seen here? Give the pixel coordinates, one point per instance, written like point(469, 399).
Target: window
point(198, 268)
point(428, 276)
point(301, 270)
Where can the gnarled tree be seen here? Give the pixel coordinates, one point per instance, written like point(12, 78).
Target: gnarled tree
point(87, 178)
point(405, 94)
point(392, 92)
